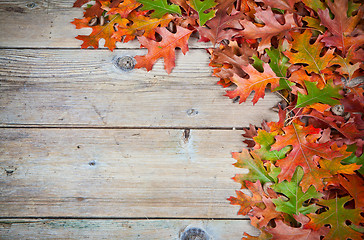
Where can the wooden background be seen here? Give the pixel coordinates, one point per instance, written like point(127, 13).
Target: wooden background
point(88, 151)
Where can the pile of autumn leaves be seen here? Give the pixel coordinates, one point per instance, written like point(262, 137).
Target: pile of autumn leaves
point(305, 177)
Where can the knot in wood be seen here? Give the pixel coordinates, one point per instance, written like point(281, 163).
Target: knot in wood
point(125, 63)
point(31, 5)
point(195, 234)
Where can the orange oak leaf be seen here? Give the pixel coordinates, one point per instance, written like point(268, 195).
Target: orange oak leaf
point(341, 26)
point(261, 216)
point(305, 153)
point(164, 49)
point(140, 25)
point(99, 32)
point(309, 53)
point(257, 82)
point(272, 27)
point(335, 166)
point(247, 202)
point(123, 8)
point(354, 184)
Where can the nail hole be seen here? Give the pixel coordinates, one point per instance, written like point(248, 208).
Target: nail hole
point(92, 163)
point(125, 63)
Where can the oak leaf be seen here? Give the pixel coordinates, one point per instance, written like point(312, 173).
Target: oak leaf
point(341, 27)
point(159, 7)
point(304, 153)
point(272, 27)
point(261, 216)
point(337, 216)
point(245, 201)
point(296, 197)
point(99, 32)
point(228, 59)
point(257, 82)
point(164, 49)
point(354, 184)
point(279, 64)
point(222, 26)
point(140, 25)
point(309, 53)
point(204, 9)
point(250, 160)
point(280, 4)
point(328, 95)
point(124, 8)
point(264, 140)
point(284, 232)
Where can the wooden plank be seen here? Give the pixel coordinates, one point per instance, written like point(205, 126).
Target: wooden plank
point(84, 88)
point(122, 229)
point(118, 173)
point(46, 24)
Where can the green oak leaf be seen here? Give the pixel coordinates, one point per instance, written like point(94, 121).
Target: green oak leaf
point(296, 197)
point(250, 160)
point(279, 64)
point(201, 7)
point(264, 142)
point(354, 159)
point(316, 95)
point(160, 7)
point(314, 4)
point(258, 63)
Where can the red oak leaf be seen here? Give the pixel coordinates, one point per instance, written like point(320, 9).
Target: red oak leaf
point(222, 26)
point(272, 27)
point(164, 49)
point(257, 82)
point(284, 232)
point(79, 3)
point(341, 27)
point(280, 4)
point(230, 59)
point(304, 153)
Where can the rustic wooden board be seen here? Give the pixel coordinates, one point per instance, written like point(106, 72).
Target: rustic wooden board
point(121, 229)
point(84, 88)
point(118, 173)
point(46, 24)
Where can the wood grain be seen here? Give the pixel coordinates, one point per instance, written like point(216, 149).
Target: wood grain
point(11, 229)
point(84, 88)
point(46, 24)
point(118, 173)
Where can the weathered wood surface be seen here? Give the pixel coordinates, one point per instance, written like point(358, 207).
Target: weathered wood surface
point(81, 139)
point(11, 229)
point(84, 88)
point(118, 173)
point(46, 24)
